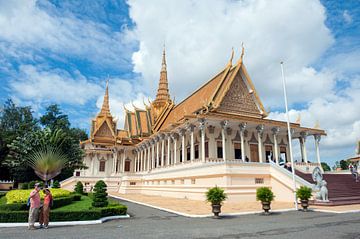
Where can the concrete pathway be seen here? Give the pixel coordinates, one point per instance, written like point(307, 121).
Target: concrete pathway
point(152, 223)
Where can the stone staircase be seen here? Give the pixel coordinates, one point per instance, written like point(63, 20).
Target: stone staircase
point(343, 190)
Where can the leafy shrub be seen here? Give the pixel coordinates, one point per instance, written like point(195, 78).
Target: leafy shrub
point(216, 195)
point(13, 207)
point(79, 188)
point(91, 214)
point(304, 193)
point(76, 197)
point(56, 184)
point(2, 194)
point(100, 195)
point(24, 186)
point(113, 210)
point(21, 196)
point(264, 194)
point(31, 185)
point(57, 202)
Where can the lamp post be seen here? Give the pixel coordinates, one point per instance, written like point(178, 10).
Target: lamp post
point(289, 134)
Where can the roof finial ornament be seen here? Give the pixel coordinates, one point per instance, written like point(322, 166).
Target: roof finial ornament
point(317, 125)
point(163, 63)
point(105, 108)
point(298, 120)
point(231, 57)
point(242, 54)
point(126, 110)
point(133, 105)
point(242, 50)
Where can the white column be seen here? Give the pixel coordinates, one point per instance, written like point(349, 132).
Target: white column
point(114, 158)
point(275, 132)
point(157, 152)
point(123, 161)
point(260, 130)
point(153, 153)
point(142, 159)
point(149, 156)
point(162, 150)
point(92, 157)
point(182, 134)
point(202, 129)
point(317, 138)
point(224, 125)
point(303, 145)
point(242, 127)
point(174, 138)
point(168, 150)
point(192, 146)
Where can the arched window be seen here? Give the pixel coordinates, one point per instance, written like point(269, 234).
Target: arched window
point(102, 164)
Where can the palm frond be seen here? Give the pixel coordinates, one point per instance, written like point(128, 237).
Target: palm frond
point(47, 162)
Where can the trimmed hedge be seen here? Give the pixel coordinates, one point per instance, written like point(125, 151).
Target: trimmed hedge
point(58, 202)
point(91, 214)
point(2, 194)
point(21, 196)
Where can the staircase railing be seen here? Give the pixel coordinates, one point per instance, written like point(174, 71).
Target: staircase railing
point(289, 174)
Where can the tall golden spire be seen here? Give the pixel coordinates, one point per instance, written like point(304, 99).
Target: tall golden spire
point(105, 108)
point(163, 96)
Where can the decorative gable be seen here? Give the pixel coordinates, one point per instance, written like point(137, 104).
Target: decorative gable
point(239, 99)
point(104, 131)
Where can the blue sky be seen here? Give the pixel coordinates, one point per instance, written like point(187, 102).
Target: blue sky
point(63, 51)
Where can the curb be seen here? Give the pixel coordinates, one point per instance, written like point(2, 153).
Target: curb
point(67, 223)
point(196, 215)
point(337, 212)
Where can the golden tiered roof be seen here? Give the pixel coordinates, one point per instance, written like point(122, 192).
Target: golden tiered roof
point(229, 94)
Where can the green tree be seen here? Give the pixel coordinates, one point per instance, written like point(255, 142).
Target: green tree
point(37, 140)
point(54, 118)
point(100, 195)
point(344, 164)
point(56, 184)
point(325, 166)
point(15, 121)
point(79, 188)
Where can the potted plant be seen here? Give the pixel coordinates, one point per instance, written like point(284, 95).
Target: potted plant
point(216, 196)
point(304, 194)
point(266, 196)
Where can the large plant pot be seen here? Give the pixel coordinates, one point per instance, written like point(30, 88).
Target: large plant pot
point(304, 205)
point(216, 209)
point(266, 207)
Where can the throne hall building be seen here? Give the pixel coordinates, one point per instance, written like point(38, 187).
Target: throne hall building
point(218, 135)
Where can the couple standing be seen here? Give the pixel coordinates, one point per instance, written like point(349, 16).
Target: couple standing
point(37, 210)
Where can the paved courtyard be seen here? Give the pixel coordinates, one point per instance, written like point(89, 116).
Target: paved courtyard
point(152, 223)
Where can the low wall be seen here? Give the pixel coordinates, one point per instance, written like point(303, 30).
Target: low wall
point(240, 181)
point(6, 185)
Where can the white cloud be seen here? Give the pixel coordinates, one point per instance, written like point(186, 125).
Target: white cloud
point(347, 17)
point(25, 26)
point(39, 85)
point(199, 36)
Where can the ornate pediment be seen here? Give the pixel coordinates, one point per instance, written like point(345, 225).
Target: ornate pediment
point(239, 99)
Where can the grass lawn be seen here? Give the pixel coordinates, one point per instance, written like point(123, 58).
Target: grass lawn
point(2, 200)
point(82, 205)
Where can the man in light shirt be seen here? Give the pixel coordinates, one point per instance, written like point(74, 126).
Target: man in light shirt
point(34, 206)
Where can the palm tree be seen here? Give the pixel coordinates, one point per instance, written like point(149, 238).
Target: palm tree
point(47, 162)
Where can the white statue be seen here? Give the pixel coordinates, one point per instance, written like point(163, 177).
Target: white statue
point(321, 185)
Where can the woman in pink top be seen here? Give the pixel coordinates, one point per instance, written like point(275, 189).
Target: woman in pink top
point(34, 206)
point(45, 212)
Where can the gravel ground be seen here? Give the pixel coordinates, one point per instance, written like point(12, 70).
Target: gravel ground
point(146, 222)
